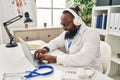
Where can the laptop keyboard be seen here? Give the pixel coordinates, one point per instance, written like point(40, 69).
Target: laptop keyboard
point(37, 62)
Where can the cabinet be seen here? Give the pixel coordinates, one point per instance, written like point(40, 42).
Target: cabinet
point(26, 35)
point(48, 34)
point(45, 34)
point(110, 34)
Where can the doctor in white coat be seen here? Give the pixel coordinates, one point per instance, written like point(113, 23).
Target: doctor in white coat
point(82, 43)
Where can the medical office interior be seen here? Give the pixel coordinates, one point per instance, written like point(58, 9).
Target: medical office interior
point(44, 24)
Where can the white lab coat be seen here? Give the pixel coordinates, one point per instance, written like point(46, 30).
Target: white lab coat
point(84, 50)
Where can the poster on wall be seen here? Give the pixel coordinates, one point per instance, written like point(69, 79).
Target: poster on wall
point(19, 5)
point(9, 9)
point(13, 8)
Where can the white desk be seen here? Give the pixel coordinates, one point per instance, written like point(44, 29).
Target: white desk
point(12, 60)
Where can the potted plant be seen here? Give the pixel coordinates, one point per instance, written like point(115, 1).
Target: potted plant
point(86, 9)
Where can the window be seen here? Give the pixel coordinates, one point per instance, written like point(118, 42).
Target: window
point(49, 11)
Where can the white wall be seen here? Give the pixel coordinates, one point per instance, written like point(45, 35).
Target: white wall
point(1, 17)
point(0, 34)
point(9, 11)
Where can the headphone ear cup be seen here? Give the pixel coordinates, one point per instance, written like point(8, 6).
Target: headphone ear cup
point(77, 21)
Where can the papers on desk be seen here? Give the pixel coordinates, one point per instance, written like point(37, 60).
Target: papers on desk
point(34, 46)
point(37, 44)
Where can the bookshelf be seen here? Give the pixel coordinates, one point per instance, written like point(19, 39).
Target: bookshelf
point(111, 34)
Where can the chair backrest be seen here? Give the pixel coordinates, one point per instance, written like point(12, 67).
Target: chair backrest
point(105, 51)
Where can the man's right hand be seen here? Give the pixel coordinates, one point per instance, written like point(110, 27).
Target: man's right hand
point(40, 51)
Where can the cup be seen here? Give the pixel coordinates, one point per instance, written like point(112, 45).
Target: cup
point(118, 55)
point(45, 25)
point(26, 25)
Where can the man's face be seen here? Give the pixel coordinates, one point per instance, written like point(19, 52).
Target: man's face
point(67, 21)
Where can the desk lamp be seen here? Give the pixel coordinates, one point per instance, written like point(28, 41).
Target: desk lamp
point(27, 19)
point(5, 24)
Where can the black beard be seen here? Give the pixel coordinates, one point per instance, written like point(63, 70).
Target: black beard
point(71, 34)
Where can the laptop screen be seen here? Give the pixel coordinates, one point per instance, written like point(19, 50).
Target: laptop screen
point(26, 51)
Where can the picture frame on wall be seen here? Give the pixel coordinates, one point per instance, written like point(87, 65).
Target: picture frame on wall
point(103, 2)
point(107, 2)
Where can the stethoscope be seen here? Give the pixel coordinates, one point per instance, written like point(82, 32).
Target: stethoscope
point(30, 74)
point(34, 72)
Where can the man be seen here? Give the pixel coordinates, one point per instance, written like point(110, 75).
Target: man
point(81, 42)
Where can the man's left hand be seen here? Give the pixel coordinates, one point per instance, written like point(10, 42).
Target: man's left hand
point(49, 58)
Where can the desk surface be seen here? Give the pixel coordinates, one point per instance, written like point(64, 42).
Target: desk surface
point(12, 60)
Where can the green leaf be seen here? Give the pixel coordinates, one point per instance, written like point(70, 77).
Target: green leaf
point(86, 9)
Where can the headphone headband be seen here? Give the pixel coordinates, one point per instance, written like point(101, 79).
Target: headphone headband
point(72, 12)
point(77, 20)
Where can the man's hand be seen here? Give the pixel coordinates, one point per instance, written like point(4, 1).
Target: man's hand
point(49, 58)
point(40, 51)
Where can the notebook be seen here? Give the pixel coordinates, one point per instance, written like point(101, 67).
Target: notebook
point(27, 52)
point(34, 46)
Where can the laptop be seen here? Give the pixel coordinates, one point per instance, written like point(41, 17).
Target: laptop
point(27, 52)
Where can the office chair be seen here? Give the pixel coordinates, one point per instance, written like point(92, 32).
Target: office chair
point(105, 51)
